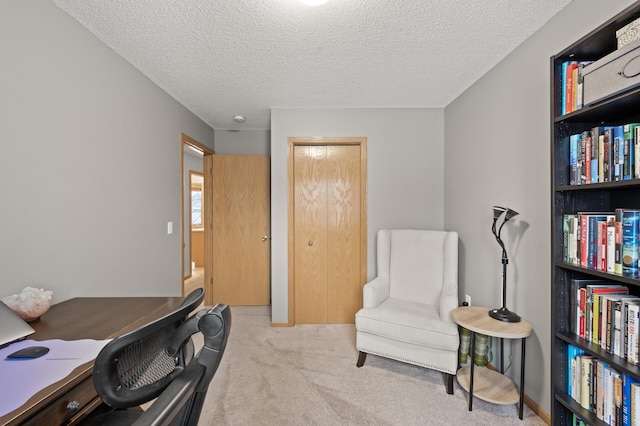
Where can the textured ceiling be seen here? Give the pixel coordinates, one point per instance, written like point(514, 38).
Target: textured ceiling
point(220, 58)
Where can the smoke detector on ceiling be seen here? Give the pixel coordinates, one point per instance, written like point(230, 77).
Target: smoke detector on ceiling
point(238, 118)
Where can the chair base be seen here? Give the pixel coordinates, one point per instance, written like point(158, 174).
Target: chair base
point(362, 356)
point(449, 383)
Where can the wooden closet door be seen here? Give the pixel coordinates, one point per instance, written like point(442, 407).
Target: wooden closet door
point(327, 228)
point(344, 289)
point(310, 217)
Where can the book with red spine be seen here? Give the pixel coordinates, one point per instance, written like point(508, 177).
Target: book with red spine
point(569, 87)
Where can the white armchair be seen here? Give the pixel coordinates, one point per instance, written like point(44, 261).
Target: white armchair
point(406, 312)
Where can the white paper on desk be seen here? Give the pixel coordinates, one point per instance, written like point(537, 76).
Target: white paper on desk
point(20, 379)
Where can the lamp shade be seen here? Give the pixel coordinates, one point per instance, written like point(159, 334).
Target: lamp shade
point(510, 214)
point(497, 211)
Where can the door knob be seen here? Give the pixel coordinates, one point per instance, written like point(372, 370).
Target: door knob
point(264, 238)
point(310, 243)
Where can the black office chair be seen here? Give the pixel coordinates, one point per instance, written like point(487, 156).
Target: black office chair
point(156, 361)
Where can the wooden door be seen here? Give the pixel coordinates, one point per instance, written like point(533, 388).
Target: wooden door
point(310, 221)
point(329, 233)
point(241, 229)
point(344, 282)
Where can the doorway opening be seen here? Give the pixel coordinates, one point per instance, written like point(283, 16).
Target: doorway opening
point(195, 277)
point(194, 237)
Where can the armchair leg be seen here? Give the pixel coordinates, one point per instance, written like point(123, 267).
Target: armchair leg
point(361, 357)
point(449, 383)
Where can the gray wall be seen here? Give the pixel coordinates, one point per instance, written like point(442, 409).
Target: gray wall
point(242, 142)
point(497, 152)
point(405, 165)
point(89, 163)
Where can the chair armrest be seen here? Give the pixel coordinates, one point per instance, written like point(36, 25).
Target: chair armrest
point(375, 292)
point(448, 302)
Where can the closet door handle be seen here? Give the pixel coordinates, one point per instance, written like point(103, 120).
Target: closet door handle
point(265, 238)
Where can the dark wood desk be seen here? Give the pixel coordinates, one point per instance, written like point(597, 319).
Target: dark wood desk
point(71, 399)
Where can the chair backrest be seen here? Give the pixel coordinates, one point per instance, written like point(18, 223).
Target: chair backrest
point(157, 361)
point(418, 262)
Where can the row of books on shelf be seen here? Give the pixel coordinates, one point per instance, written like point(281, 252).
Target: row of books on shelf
point(603, 241)
point(607, 315)
point(571, 86)
point(571, 89)
point(612, 396)
point(605, 154)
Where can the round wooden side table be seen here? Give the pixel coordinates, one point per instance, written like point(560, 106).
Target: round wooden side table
point(491, 386)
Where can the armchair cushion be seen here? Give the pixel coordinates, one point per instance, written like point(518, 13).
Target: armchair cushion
point(416, 265)
point(409, 322)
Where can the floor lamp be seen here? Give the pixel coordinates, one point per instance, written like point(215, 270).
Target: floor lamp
point(502, 313)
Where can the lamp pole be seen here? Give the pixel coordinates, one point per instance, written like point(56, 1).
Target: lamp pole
point(502, 313)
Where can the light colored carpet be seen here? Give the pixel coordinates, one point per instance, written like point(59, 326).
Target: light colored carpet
point(307, 375)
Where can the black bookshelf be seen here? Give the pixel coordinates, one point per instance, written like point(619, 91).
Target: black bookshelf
point(571, 199)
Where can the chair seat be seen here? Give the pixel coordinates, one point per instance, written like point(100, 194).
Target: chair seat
point(409, 322)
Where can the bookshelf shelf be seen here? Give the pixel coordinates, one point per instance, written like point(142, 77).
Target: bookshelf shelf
point(571, 199)
point(611, 186)
point(611, 111)
point(597, 351)
point(570, 404)
point(599, 274)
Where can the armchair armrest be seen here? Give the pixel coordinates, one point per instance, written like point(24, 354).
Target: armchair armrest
point(448, 302)
point(375, 292)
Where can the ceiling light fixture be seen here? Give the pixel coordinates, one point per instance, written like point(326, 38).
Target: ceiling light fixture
point(238, 118)
point(313, 2)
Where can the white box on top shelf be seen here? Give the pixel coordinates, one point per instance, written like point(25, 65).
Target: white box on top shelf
point(612, 74)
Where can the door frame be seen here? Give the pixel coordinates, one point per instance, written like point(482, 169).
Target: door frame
point(187, 141)
point(292, 142)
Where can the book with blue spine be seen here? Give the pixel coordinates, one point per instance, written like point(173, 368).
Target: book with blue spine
point(630, 244)
point(598, 137)
point(573, 387)
point(592, 239)
point(627, 381)
point(563, 87)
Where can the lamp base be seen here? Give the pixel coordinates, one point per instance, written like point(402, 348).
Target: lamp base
point(503, 314)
